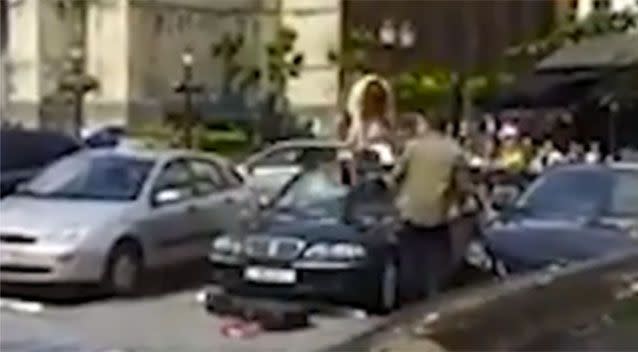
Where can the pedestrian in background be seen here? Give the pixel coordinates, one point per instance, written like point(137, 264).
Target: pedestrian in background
point(426, 176)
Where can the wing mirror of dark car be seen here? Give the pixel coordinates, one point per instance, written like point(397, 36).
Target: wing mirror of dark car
point(504, 197)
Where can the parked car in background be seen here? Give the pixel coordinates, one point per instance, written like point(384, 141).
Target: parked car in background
point(269, 170)
point(106, 215)
point(108, 136)
point(23, 153)
point(320, 240)
point(570, 214)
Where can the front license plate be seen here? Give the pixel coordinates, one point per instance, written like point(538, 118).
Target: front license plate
point(270, 275)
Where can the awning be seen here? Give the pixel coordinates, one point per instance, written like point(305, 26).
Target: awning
point(546, 90)
point(616, 50)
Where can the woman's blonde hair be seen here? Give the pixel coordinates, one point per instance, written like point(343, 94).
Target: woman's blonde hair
point(355, 105)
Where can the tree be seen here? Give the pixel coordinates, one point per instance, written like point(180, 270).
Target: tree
point(283, 61)
point(352, 58)
point(595, 25)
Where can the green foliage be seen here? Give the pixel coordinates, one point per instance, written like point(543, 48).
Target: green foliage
point(283, 62)
point(354, 52)
point(235, 75)
point(597, 24)
point(432, 90)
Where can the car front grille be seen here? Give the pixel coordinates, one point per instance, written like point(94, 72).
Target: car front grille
point(277, 248)
point(16, 238)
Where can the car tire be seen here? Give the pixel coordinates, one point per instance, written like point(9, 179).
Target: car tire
point(385, 296)
point(124, 269)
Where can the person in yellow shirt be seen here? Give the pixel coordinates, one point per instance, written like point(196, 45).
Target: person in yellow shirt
point(511, 155)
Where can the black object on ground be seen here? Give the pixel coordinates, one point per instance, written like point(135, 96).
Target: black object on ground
point(271, 315)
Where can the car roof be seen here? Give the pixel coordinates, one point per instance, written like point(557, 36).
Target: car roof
point(156, 154)
point(613, 166)
point(296, 143)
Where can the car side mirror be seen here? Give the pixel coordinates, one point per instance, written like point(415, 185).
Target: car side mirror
point(166, 196)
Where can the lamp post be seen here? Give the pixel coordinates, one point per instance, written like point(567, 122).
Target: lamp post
point(395, 37)
point(188, 87)
point(77, 82)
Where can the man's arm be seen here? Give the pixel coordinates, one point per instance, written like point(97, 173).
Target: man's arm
point(394, 178)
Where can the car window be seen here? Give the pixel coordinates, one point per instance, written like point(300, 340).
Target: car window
point(175, 175)
point(624, 196)
point(280, 157)
point(88, 176)
point(568, 192)
point(208, 176)
point(28, 149)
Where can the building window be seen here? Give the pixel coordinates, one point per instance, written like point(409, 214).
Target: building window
point(159, 23)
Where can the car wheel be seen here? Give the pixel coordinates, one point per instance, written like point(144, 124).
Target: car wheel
point(124, 269)
point(385, 297)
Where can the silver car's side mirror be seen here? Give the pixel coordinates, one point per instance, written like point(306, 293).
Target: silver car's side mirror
point(167, 196)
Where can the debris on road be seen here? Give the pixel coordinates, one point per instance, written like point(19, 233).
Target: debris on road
point(240, 329)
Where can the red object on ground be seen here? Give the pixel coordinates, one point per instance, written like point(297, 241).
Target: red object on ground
point(240, 329)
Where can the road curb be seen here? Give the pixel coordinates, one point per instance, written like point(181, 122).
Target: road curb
point(465, 312)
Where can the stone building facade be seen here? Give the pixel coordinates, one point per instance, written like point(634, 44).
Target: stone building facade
point(133, 48)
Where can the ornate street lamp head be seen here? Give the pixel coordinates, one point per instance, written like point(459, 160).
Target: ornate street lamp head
point(387, 33)
point(407, 34)
point(187, 58)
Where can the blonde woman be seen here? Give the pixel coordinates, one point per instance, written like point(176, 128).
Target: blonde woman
point(369, 119)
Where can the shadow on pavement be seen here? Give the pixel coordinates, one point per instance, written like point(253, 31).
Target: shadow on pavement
point(168, 281)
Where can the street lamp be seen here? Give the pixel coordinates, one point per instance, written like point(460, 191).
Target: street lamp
point(407, 35)
point(387, 33)
point(77, 82)
point(188, 87)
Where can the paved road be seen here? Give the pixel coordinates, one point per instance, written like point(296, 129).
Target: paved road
point(176, 322)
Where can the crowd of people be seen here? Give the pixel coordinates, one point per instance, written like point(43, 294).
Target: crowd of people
point(432, 172)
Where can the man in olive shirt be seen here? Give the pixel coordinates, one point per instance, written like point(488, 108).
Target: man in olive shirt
point(427, 176)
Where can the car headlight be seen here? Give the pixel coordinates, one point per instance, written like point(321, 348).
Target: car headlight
point(227, 245)
point(66, 236)
point(335, 251)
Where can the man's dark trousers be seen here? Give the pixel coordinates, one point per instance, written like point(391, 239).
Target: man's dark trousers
point(424, 260)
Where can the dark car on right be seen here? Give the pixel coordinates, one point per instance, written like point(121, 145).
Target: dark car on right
point(570, 214)
point(23, 153)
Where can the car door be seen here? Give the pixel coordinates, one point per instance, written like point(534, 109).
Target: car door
point(170, 225)
point(219, 203)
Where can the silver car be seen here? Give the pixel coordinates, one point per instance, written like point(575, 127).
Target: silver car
point(108, 215)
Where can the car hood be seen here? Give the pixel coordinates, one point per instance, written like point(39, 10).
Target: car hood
point(308, 224)
point(538, 242)
point(51, 215)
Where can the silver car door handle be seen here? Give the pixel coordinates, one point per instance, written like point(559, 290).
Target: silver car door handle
point(192, 209)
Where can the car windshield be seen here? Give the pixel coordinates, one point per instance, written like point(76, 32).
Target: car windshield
point(582, 193)
point(312, 189)
point(89, 176)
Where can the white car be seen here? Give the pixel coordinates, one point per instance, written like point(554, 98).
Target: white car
point(268, 170)
point(106, 215)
